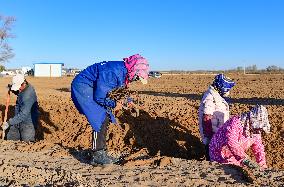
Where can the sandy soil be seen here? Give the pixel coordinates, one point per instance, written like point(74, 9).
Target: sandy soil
point(161, 146)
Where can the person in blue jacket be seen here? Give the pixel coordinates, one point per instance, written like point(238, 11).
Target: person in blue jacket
point(89, 92)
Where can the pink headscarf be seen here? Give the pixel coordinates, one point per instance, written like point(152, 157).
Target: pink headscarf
point(136, 65)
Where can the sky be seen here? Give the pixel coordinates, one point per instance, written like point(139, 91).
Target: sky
point(171, 34)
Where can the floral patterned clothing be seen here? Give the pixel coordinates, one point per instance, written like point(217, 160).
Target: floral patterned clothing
point(230, 142)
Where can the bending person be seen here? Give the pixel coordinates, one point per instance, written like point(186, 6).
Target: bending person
point(89, 91)
point(239, 134)
point(214, 109)
point(22, 126)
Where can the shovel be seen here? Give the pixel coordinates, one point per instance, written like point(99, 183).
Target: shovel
point(6, 111)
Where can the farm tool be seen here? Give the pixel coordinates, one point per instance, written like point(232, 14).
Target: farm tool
point(6, 110)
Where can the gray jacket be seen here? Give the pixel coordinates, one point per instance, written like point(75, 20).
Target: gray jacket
point(26, 110)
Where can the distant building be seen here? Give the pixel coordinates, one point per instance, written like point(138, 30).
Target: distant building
point(7, 73)
point(47, 69)
point(26, 69)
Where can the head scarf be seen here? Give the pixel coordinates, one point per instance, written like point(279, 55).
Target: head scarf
point(259, 118)
point(223, 84)
point(256, 118)
point(136, 66)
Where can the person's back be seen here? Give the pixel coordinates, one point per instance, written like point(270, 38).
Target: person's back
point(92, 72)
point(27, 97)
point(90, 87)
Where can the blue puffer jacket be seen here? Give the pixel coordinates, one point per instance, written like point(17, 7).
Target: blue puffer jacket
point(89, 90)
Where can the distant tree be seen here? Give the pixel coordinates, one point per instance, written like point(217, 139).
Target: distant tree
point(240, 68)
point(252, 68)
point(6, 52)
point(273, 68)
point(2, 68)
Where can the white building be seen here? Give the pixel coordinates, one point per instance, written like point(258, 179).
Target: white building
point(46, 69)
point(7, 73)
point(25, 69)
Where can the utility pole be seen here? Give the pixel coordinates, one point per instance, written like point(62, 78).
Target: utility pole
point(244, 68)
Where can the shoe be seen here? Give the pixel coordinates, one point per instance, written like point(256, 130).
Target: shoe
point(101, 158)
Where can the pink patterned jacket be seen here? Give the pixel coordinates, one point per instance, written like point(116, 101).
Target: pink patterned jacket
point(230, 142)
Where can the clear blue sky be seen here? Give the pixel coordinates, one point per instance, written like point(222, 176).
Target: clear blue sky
point(172, 34)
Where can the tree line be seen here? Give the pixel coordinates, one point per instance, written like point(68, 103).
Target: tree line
point(252, 69)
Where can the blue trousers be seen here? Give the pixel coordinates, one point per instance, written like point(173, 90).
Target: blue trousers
point(23, 132)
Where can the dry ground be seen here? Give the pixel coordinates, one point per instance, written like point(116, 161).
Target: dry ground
point(161, 146)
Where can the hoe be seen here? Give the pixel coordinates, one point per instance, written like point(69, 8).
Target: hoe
point(6, 110)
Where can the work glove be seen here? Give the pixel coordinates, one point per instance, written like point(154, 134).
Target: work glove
point(5, 126)
point(250, 164)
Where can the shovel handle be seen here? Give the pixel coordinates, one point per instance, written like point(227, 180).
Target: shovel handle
point(7, 106)
point(6, 112)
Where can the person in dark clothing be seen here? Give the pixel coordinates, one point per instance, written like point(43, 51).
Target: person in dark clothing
point(22, 125)
point(89, 92)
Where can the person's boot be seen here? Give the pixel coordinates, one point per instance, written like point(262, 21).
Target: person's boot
point(101, 158)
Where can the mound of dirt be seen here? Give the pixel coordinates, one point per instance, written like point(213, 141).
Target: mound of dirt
point(164, 134)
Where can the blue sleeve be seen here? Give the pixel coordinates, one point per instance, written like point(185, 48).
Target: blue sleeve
point(24, 109)
point(104, 84)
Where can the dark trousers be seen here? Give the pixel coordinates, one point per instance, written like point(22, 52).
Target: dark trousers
point(207, 156)
point(99, 138)
point(23, 132)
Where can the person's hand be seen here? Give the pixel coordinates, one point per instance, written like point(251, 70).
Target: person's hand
point(9, 86)
point(5, 126)
point(129, 103)
point(263, 166)
point(250, 164)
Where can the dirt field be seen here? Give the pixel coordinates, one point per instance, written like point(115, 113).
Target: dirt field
point(161, 146)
